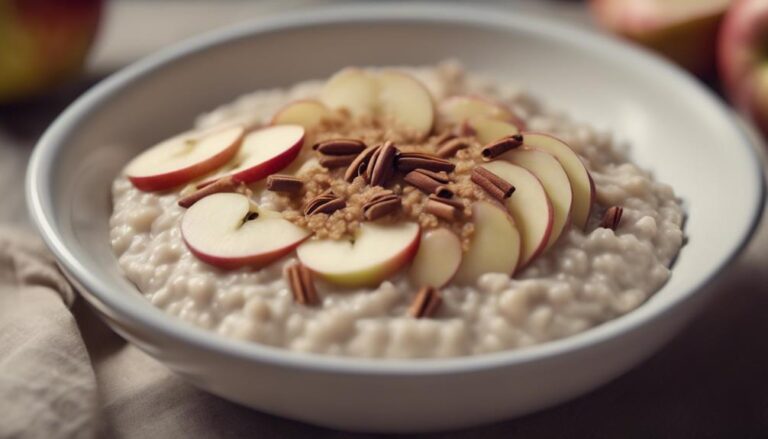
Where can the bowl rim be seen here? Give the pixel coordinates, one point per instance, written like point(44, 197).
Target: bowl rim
point(40, 204)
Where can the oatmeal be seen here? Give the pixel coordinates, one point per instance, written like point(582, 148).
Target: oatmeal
point(426, 217)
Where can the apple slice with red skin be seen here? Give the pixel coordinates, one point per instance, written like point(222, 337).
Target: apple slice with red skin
point(308, 113)
point(266, 151)
point(457, 109)
point(228, 231)
point(437, 259)
point(581, 182)
point(376, 252)
point(488, 130)
point(529, 206)
point(552, 176)
point(494, 247)
point(183, 158)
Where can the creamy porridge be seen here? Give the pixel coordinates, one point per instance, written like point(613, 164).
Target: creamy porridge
point(332, 295)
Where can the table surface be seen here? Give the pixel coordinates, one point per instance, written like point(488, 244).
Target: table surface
point(710, 381)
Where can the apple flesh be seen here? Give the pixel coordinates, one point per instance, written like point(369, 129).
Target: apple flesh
point(488, 130)
point(685, 31)
point(529, 206)
point(395, 98)
point(306, 113)
point(267, 151)
point(228, 231)
point(581, 182)
point(458, 109)
point(376, 252)
point(405, 104)
point(495, 246)
point(437, 259)
point(743, 59)
point(555, 181)
point(183, 158)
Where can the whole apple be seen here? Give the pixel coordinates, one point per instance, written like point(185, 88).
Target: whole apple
point(743, 58)
point(43, 42)
point(685, 31)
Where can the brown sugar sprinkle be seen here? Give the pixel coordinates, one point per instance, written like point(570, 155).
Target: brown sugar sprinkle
point(284, 183)
point(408, 161)
point(360, 164)
point(223, 184)
point(425, 303)
point(336, 161)
point(612, 217)
point(302, 285)
point(340, 147)
point(499, 147)
point(496, 186)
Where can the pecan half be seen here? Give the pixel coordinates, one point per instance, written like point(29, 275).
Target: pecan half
point(327, 202)
point(340, 147)
point(336, 161)
point(381, 204)
point(360, 163)
point(382, 165)
point(451, 147)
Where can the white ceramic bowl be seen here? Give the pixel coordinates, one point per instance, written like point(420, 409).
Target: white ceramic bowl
point(676, 128)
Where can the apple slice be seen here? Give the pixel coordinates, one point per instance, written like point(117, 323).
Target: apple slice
point(529, 206)
point(353, 89)
point(555, 181)
point(488, 130)
point(376, 252)
point(437, 259)
point(457, 109)
point(581, 182)
point(495, 245)
point(183, 158)
point(404, 103)
point(267, 151)
point(307, 113)
point(229, 231)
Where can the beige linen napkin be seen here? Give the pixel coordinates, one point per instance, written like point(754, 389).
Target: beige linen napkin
point(47, 385)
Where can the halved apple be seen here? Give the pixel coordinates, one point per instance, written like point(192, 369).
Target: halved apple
point(353, 89)
point(529, 206)
point(183, 158)
point(229, 231)
point(307, 113)
point(581, 182)
point(267, 151)
point(555, 181)
point(495, 246)
point(404, 103)
point(458, 109)
point(488, 130)
point(437, 259)
point(376, 252)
